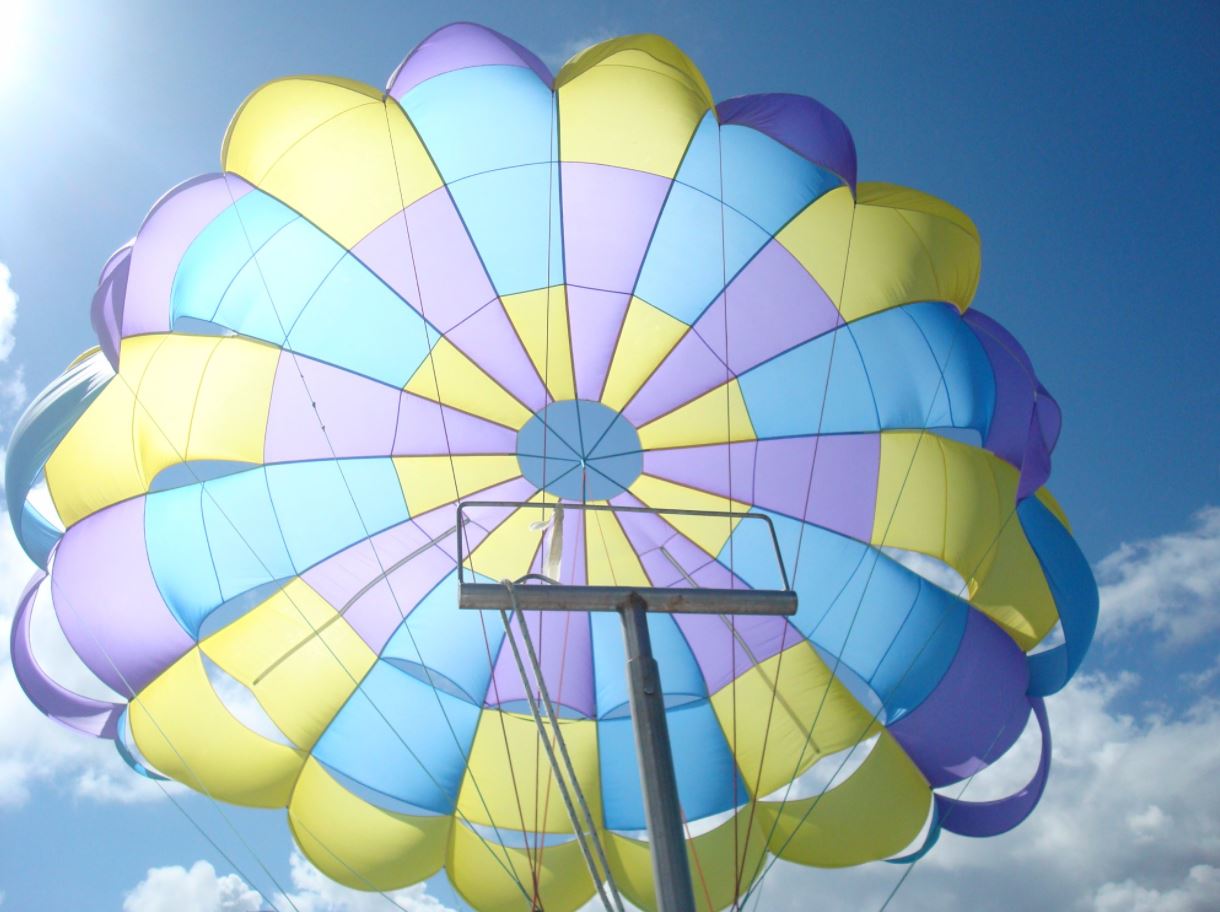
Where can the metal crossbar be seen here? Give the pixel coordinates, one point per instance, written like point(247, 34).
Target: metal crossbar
point(662, 811)
point(559, 597)
point(713, 601)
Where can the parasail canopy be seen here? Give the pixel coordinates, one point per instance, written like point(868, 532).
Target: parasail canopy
point(599, 287)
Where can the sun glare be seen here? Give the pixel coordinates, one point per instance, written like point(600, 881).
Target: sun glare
point(14, 40)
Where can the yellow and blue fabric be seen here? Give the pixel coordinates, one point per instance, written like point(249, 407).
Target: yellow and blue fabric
point(598, 287)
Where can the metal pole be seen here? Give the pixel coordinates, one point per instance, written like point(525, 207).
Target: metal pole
point(670, 869)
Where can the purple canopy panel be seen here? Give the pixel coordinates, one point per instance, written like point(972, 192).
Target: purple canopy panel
point(427, 258)
point(340, 577)
point(1043, 434)
point(1026, 419)
point(715, 575)
point(106, 311)
point(374, 584)
point(719, 648)
point(842, 494)
point(804, 125)
point(457, 46)
point(108, 603)
point(563, 644)
point(322, 412)
point(975, 713)
point(1049, 417)
point(370, 585)
point(174, 222)
point(608, 219)
point(990, 818)
point(648, 534)
point(595, 319)
point(726, 647)
point(425, 428)
point(774, 474)
point(773, 305)
point(480, 521)
point(489, 340)
point(724, 469)
point(92, 717)
point(691, 369)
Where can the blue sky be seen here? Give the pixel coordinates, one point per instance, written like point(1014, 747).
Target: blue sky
point(1080, 137)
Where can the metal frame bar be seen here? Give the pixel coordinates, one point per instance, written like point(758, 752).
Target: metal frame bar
point(659, 785)
point(494, 597)
point(608, 508)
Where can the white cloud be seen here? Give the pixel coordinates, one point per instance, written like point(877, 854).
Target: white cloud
point(1199, 893)
point(8, 313)
point(196, 890)
point(1169, 585)
point(555, 57)
point(201, 889)
point(315, 892)
point(1202, 679)
point(930, 568)
point(13, 392)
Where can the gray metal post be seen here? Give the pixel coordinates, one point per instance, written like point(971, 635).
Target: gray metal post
point(670, 869)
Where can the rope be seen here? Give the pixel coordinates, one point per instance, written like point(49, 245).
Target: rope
point(547, 398)
point(288, 349)
point(864, 590)
point(817, 440)
point(911, 867)
point(135, 698)
point(868, 725)
point(578, 824)
point(512, 772)
point(254, 553)
point(563, 665)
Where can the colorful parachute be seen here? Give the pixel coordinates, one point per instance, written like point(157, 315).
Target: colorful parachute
point(490, 283)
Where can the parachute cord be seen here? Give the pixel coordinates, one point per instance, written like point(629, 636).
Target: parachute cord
point(406, 226)
point(563, 665)
point(309, 623)
point(757, 899)
point(135, 394)
point(739, 874)
point(740, 862)
point(293, 824)
point(876, 555)
point(563, 750)
point(512, 772)
point(449, 450)
point(694, 851)
point(546, 357)
point(729, 377)
point(384, 576)
point(578, 825)
point(869, 724)
point(457, 491)
point(817, 440)
point(136, 698)
point(948, 811)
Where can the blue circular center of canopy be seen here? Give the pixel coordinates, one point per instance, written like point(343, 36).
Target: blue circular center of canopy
point(580, 450)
